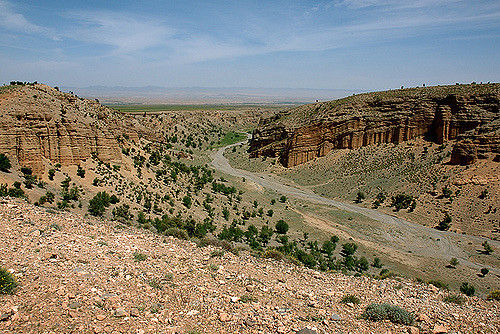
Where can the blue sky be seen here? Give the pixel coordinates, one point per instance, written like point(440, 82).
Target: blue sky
point(352, 44)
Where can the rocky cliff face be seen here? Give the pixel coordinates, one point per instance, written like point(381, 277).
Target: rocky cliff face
point(39, 123)
point(468, 114)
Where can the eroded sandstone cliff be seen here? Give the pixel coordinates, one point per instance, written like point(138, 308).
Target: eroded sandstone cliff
point(40, 123)
point(467, 114)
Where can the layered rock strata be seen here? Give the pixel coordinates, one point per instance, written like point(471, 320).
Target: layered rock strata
point(39, 122)
point(468, 114)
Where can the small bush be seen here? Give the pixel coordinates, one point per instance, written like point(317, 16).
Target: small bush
point(484, 271)
point(99, 203)
point(8, 282)
point(397, 315)
point(440, 285)
point(350, 299)
point(248, 298)
point(444, 224)
point(226, 245)
point(487, 248)
point(4, 163)
point(217, 253)
point(377, 263)
point(177, 233)
point(282, 226)
point(467, 289)
point(455, 299)
point(272, 253)
point(80, 172)
point(494, 295)
point(138, 257)
point(385, 273)
point(360, 197)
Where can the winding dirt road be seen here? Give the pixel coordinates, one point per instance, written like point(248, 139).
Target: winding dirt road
point(393, 234)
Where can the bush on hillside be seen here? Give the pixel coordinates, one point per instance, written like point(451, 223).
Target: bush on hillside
point(4, 163)
point(467, 289)
point(396, 314)
point(8, 282)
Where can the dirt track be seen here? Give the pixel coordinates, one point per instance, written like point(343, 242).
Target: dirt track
point(390, 234)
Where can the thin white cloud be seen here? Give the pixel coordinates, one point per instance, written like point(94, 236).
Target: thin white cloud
point(394, 4)
point(13, 21)
point(124, 32)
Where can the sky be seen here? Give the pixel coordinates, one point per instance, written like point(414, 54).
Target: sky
point(341, 44)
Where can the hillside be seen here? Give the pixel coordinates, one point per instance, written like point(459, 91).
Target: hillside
point(40, 124)
point(469, 113)
point(95, 276)
point(439, 145)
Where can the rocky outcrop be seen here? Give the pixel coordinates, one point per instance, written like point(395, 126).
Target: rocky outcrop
point(466, 113)
point(40, 123)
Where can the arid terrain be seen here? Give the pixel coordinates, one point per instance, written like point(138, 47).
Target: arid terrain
point(81, 275)
point(116, 220)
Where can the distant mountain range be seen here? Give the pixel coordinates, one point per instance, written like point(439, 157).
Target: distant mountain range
point(156, 94)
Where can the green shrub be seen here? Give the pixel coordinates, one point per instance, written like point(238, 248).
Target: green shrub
point(444, 224)
point(177, 233)
point(494, 295)
point(397, 315)
point(385, 273)
point(487, 248)
point(484, 271)
point(8, 282)
point(440, 285)
point(377, 263)
point(99, 203)
point(350, 299)
point(349, 249)
point(122, 213)
point(248, 298)
point(360, 197)
point(217, 243)
point(138, 257)
point(26, 171)
point(467, 289)
point(217, 253)
point(455, 299)
point(80, 172)
point(362, 264)
point(273, 253)
point(401, 201)
point(187, 201)
point(4, 163)
point(282, 226)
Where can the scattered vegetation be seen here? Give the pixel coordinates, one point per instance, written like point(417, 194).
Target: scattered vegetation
point(138, 257)
point(8, 282)
point(494, 295)
point(4, 163)
point(444, 224)
point(467, 289)
point(396, 314)
point(352, 299)
point(455, 299)
point(487, 248)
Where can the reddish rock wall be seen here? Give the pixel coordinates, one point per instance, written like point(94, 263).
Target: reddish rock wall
point(354, 123)
point(39, 122)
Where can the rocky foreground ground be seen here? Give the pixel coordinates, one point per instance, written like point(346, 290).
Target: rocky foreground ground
point(80, 275)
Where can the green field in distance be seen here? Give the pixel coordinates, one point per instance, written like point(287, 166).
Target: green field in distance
point(141, 108)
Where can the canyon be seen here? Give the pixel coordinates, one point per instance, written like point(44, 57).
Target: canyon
point(468, 115)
